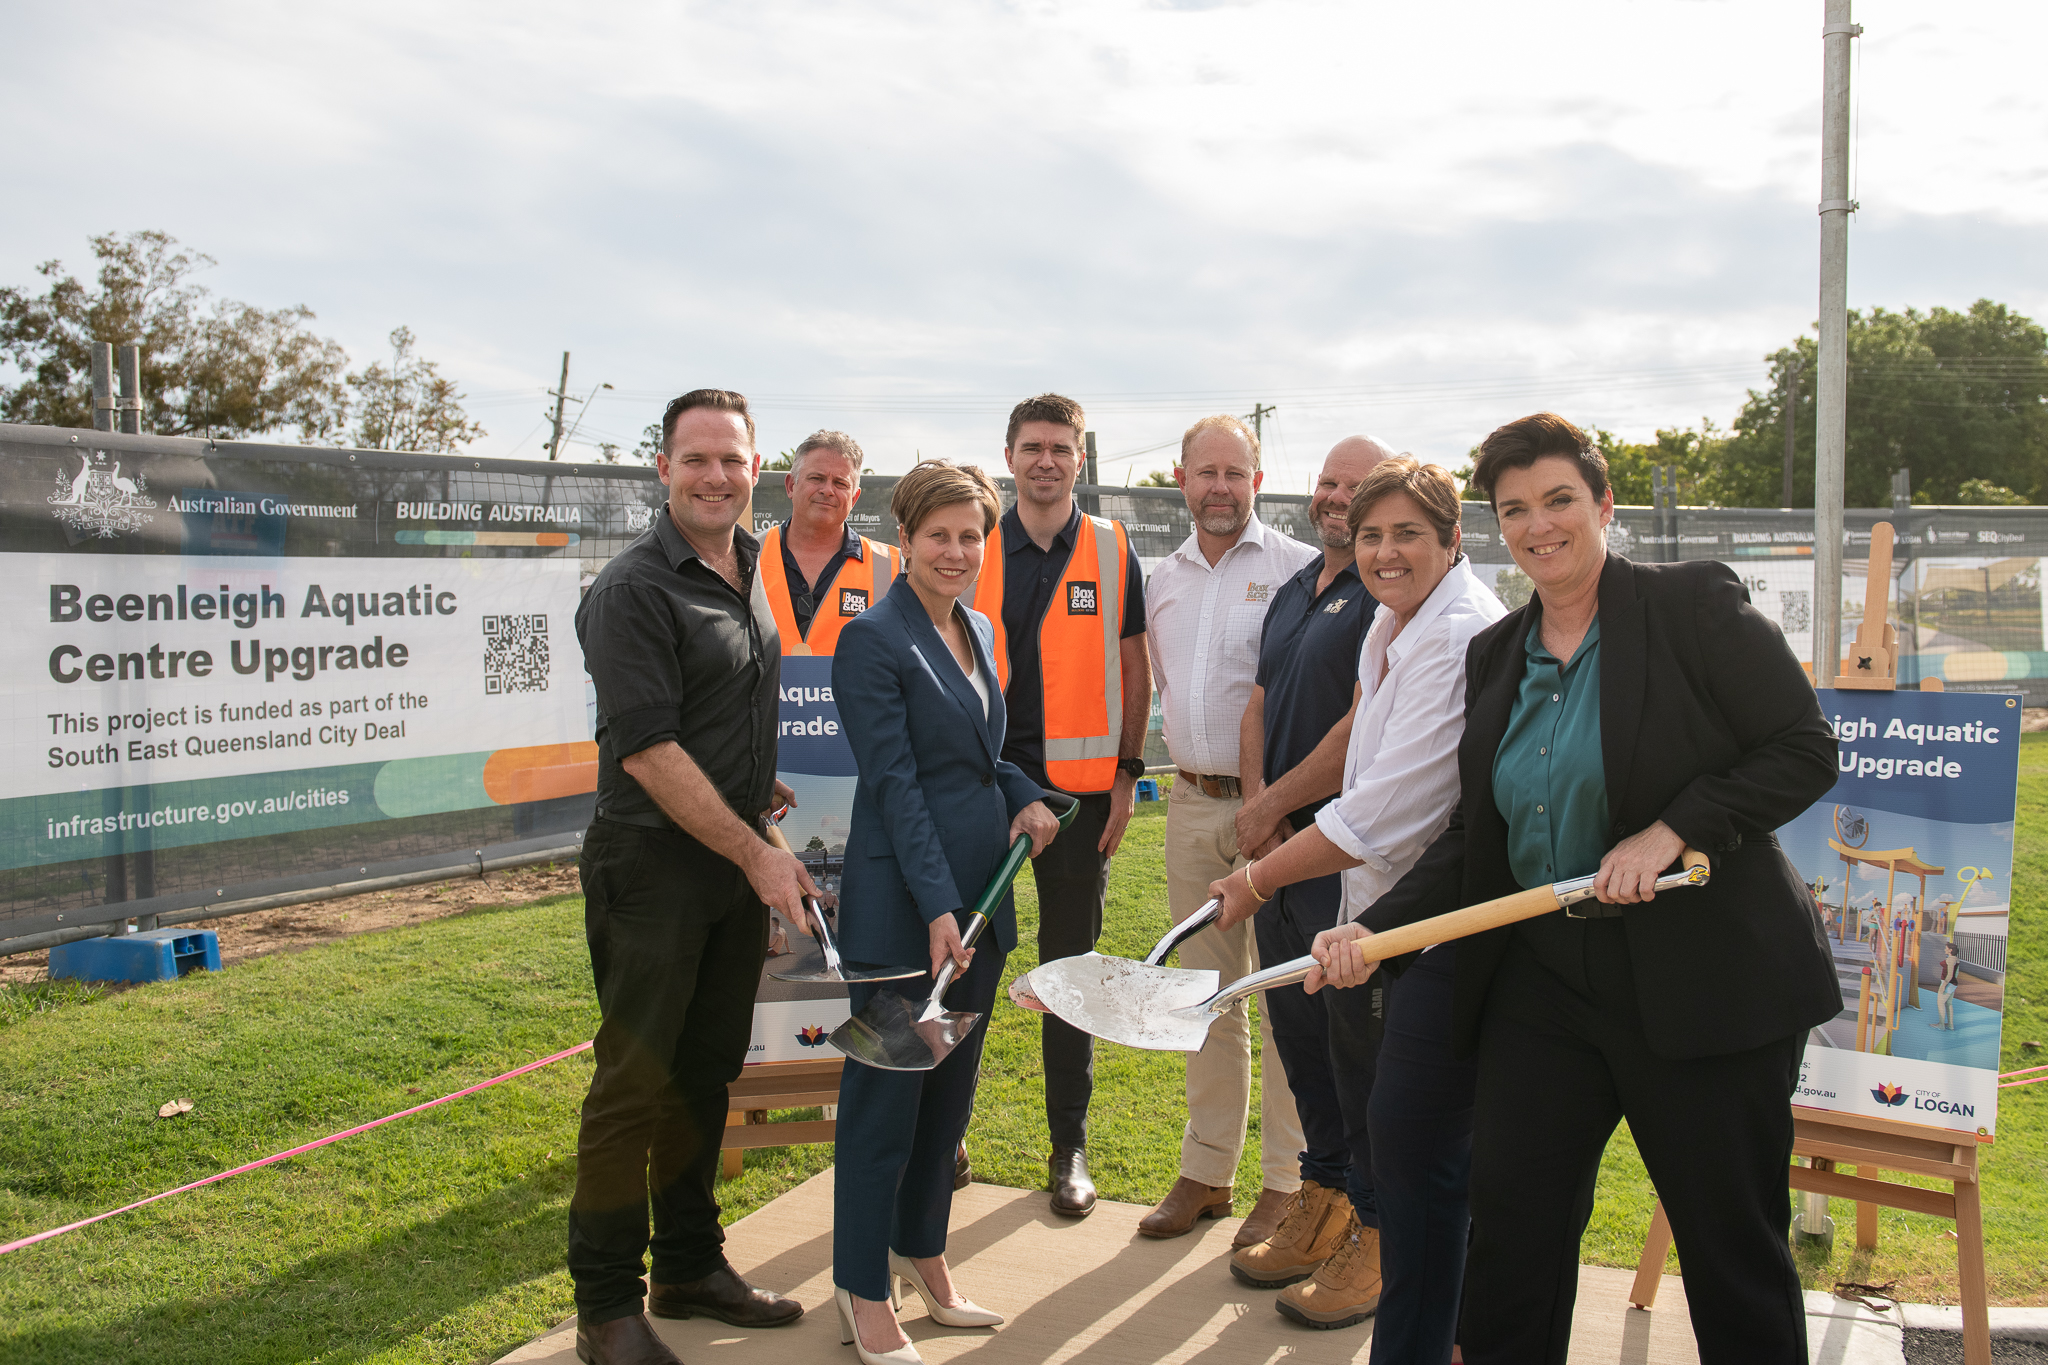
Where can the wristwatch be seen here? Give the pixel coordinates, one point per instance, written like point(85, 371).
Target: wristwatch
point(1134, 766)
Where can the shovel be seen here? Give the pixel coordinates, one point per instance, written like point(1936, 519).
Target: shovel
point(1022, 994)
point(1153, 1007)
point(896, 1034)
point(835, 972)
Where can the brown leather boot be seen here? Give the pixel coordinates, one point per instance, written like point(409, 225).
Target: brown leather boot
point(1264, 1219)
point(1345, 1289)
point(1308, 1233)
point(1186, 1203)
point(622, 1341)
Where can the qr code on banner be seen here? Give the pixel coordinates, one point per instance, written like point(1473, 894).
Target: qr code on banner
point(515, 654)
point(1796, 610)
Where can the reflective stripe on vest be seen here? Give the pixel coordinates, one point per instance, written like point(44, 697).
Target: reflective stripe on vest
point(859, 584)
point(1082, 630)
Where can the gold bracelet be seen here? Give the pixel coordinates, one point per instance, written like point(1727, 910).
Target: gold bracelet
point(1252, 884)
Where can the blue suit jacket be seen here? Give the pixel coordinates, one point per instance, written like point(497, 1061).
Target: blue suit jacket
point(932, 809)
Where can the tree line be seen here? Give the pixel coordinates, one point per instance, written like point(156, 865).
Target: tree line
point(213, 367)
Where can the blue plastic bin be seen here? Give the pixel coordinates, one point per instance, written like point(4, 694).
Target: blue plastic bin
point(1148, 789)
point(152, 955)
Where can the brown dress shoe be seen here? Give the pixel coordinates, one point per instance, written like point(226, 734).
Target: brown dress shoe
point(1314, 1224)
point(723, 1295)
point(1186, 1203)
point(1073, 1193)
point(622, 1341)
point(1264, 1219)
point(963, 1170)
point(1345, 1289)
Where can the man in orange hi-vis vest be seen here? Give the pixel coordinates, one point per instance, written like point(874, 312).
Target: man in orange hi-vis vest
point(818, 573)
point(1066, 597)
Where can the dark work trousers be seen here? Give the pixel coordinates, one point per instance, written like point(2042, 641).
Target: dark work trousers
point(677, 938)
point(1337, 1153)
point(892, 1184)
point(1421, 1122)
point(1560, 1062)
point(1072, 879)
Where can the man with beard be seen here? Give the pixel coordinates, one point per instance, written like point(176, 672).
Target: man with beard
point(1206, 605)
point(1291, 752)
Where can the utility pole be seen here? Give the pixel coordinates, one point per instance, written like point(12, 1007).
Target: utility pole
point(1791, 403)
point(128, 360)
point(561, 397)
point(1258, 415)
point(1831, 377)
point(1091, 503)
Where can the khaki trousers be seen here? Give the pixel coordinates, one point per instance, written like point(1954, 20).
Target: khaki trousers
point(1201, 847)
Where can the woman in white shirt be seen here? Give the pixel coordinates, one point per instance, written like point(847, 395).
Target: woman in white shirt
point(1408, 1109)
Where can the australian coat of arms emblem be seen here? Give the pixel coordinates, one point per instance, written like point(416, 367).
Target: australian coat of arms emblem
point(99, 499)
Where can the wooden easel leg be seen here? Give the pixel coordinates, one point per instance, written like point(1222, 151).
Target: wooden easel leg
point(1866, 1214)
point(1970, 1264)
point(1650, 1269)
point(731, 1158)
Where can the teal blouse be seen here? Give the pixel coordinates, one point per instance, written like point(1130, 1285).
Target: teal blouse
point(1549, 778)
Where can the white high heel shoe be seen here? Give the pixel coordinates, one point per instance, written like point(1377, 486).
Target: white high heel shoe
point(967, 1315)
point(849, 1335)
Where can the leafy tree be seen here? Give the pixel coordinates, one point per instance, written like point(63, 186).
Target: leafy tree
point(409, 406)
point(1984, 493)
point(1694, 456)
point(643, 453)
point(1158, 478)
point(1956, 397)
point(1514, 588)
point(784, 461)
point(210, 366)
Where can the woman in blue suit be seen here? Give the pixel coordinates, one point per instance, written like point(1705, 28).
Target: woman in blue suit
point(934, 813)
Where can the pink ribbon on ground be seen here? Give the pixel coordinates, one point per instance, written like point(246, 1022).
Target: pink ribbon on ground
point(307, 1147)
point(2023, 1071)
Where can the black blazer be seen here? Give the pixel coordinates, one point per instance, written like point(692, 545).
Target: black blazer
point(1707, 723)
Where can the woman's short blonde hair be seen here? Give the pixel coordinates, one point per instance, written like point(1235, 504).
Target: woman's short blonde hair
point(1431, 485)
point(939, 483)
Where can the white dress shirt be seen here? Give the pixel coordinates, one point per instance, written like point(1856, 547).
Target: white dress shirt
point(1202, 626)
point(1401, 770)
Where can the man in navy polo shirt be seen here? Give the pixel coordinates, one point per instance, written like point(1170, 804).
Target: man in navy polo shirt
point(1291, 756)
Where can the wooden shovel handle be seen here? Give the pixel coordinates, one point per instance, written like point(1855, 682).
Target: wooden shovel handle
point(1477, 919)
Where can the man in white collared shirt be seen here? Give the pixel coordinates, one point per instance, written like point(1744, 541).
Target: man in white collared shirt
point(1205, 607)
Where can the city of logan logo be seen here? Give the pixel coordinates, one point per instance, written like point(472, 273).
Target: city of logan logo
point(99, 500)
point(1080, 599)
point(1889, 1094)
point(1336, 606)
point(853, 601)
point(810, 1036)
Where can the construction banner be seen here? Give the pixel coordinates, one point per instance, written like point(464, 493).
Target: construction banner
point(1909, 861)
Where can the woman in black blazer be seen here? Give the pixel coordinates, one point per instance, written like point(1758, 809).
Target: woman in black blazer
point(1626, 712)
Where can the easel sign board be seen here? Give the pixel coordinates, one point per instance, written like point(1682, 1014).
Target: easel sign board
point(1909, 860)
point(791, 1019)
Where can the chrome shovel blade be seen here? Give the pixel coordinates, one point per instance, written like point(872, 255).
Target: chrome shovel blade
point(1127, 1002)
point(888, 1035)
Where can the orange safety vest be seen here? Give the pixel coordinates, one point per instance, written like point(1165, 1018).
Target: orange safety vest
point(859, 584)
point(1083, 631)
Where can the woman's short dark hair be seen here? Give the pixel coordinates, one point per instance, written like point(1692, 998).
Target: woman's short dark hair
point(1430, 485)
point(937, 483)
point(1522, 443)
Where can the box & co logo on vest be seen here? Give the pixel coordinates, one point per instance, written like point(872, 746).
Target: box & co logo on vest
point(1080, 599)
point(853, 601)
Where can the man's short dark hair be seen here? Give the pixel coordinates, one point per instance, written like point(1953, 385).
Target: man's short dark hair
point(1047, 407)
point(828, 440)
point(1522, 443)
point(718, 400)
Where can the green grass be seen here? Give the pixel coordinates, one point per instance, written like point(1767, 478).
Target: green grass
point(439, 1238)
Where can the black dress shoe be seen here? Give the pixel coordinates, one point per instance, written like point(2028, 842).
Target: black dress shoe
point(622, 1341)
point(723, 1295)
point(1073, 1193)
point(963, 1171)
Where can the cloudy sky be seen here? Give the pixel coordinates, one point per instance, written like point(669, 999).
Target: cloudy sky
point(1417, 221)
